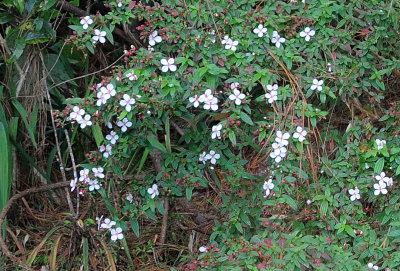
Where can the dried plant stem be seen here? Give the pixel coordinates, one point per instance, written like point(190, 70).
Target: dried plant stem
point(71, 154)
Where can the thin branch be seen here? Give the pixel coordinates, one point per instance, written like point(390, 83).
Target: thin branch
point(180, 131)
point(71, 154)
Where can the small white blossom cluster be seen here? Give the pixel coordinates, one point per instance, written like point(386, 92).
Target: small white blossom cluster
point(380, 143)
point(229, 43)
point(237, 96)
point(99, 36)
point(276, 39)
point(216, 131)
point(108, 224)
point(88, 178)
point(279, 146)
point(78, 115)
point(382, 184)
point(104, 93)
point(153, 191)
point(154, 38)
point(354, 193)
point(208, 100)
point(272, 95)
point(168, 65)
point(127, 101)
point(268, 186)
point(86, 21)
point(212, 156)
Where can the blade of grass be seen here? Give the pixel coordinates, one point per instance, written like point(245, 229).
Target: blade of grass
point(22, 112)
point(85, 254)
point(53, 255)
point(109, 256)
point(5, 169)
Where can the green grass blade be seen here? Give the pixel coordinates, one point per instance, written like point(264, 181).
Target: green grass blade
point(22, 112)
point(5, 168)
point(85, 254)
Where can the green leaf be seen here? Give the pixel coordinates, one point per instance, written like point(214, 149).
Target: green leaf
point(5, 167)
point(48, 4)
point(290, 201)
point(85, 255)
point(349, 230)
point(97, 134)
point(398, 170)
point(150, 214)
point(324, 208)
point(160, 207)
point(246, 118)
point(156, 144)
point(379, 165)
point(199, 73)
point(152, 205)
point(245, 218)
point(239, 227)
point(232, 137)
point(189, 191)
point(24, 116)
point(135, 227)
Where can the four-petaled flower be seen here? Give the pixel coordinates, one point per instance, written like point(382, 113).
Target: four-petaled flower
point(153, 191)
point(102, 98)
point(203, 157)
point(127, 102)
point(112, 137)
point(77, 114)
point(154, 38)
point(124, 124)
point(380, 143)
point(235, 85)
point(278, 153)
point(277, 39)
point(260, 30)
point(116, 234)
point(354, 193)
point(268, 186)
point(207, 96)
point(281, 138)
point(107, 224)
point(129, 198)
point(86, 21)
point(273, 94)
point(211, 104)
point(216, 131)
point(213, 157)
point(93, 185)
point(168, 65)
point(237, 96)
point(98, 172)
point(107, 150)
point(108, 91)
point(84, 175)
point(131, 76)
point(307, 33)
point(99, 36)
point(380, 188)
point(195, 100)
point(300, 134)
point(231, 45)
point(317, 84)
point(86, 121)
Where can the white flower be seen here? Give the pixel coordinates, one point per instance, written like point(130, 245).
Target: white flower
point(372, 266)
point(272, 96)
point(282, 138)
point(153, 191)
point(231, 45)
point(203, 249)
point(129, 198)
point(380, 143)
point(380, 188)
point(354, 193)
point(278, 153)
point(366, 166)
point(124, 124)
point(203, 157)
point(107, 224)
point(127, 102)
point(389, 181)
point(213, 157)
point(108, 91)
point(154, 38)
point(72, 184)
point(237, 96)
point(84, 175)
point(211, 104)
point(85, 121)
point(260, 30)
point(107, 150)
point(300, 134)
point(93, 185)
point(102, 98)
point(307, 33)
point(168, 65)
point(195, 100)
point(99, 36)
point(112, 137)
point(277, 39)
point(76, 114)
point(98, 172)
point(235, 85)
point(268, 186)
point(116, 234)
point(317, 84)
point(216, 131)
point(226, 40)
point(86, 21)
point(119, 3)
point(212, 33)
point(207, 96)
point(131, 76)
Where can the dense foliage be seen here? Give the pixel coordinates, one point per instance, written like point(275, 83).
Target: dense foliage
point(287, 111)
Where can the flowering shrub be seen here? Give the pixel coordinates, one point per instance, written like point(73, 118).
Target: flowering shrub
point(241, 95)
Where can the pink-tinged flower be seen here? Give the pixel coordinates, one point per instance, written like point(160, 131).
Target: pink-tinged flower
point(268, 186)
point(207, 96)
point(300, 134)
point(237, 96)
point(211, 104)
point(380, 143)
point(260, 30)
point(129, 198)
point(153, 191)
point(235, 85)
point(354, 193)
point(203, 157)
point(102, 98)
point(279, 152)
point(213, 157)
point(109, 91)
point(317, 84)
point(195, 100)
point(277, 39)
point(168, 65)
point(107, 150)
point(72, 184)
point(86, 21)
point(84, 175)
point(380, 188)
point(127, 102)
point(124, 124)
point(216, 131)
point(154, 38)
point(107, 224)
point(307, 33)
point(76, 114)
point(131, 76)
point(282, 138)
point(112, 137)
point(93, 185)
point(116, 234)
point(99, 36)
point(98, 172)
point(85, 121)
point(226, 40)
